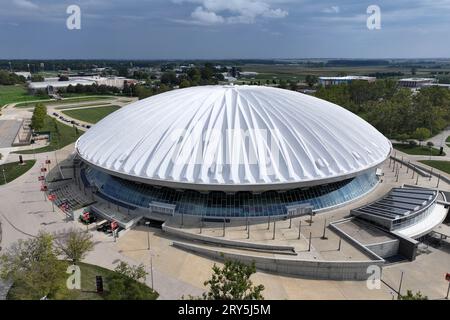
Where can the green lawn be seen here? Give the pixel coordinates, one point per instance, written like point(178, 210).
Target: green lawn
point(416, 150)
point(97, 104)
point(13, 170)
point(91, 115)
point(65, 101)
point(88, 285)
point(440, 165)
point(448, 139)
point(66, 136)
point(16, 93)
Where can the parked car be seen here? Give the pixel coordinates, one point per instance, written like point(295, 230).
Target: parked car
point(102, 227)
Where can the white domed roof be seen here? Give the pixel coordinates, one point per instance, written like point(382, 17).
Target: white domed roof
point(233, 138)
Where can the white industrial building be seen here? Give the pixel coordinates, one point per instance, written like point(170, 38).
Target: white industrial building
point(53, 84)
point(331, 81)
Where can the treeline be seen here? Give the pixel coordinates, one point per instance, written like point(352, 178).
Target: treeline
point(397, 113)
point(8, 78)
point(356, 63)
point(195, 76)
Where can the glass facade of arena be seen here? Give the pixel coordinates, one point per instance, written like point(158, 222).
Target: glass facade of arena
point(220, 204)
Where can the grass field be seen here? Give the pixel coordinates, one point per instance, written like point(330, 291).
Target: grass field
point(17, 93)
point(66, 136)
point(88, 285)
point(97, 104)
point(284, 71)
point(417, 150)
point(13, 170)
point(91, 115)
point(65, 101)
point(440, 165)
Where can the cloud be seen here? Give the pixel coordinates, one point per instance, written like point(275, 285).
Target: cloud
point(211, 12)
point(202, 16)
point(332, 9)
point(25, 4)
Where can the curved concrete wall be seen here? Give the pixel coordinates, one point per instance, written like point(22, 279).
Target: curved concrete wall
point(326, 270)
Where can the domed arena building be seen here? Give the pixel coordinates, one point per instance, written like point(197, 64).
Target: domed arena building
point(232, 152)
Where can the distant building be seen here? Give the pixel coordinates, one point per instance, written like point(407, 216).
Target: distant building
point(440, 85)
point(25, 74)
point(52, 85)
point(415, 83)
point(248, 74)
point(332, 81)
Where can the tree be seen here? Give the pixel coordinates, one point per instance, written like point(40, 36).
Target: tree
point(74, 244)
point(34, 264)
point(422, 134)
point(38, 118)
point(311, 80)
point(127, 284)
point(412, 296)
point(403, 137)
point(185, 84)
point(232, 282)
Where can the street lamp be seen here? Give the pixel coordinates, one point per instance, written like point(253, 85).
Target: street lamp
point(147, 223)
point(4, 175)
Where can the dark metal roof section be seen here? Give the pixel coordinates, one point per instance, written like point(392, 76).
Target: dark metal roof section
point(399, 205)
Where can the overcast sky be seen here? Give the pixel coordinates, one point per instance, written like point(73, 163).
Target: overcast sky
point(207, 29)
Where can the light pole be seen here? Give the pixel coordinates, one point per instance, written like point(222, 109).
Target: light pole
point(4, 175)
point(151, 270)
point(147, 223)
point(400, 286)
